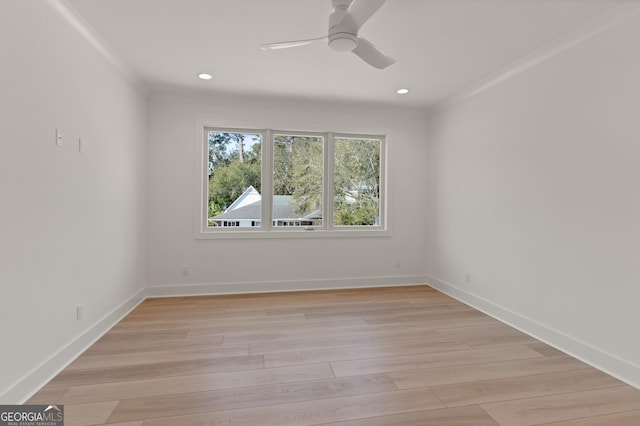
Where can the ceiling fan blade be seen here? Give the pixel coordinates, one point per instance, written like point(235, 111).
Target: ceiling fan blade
point(362, 10)
point(292, 43)
point(337, 15)
point(369, 53)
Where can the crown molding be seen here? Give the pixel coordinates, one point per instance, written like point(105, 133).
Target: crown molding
point(581, 34)
point(78, 23)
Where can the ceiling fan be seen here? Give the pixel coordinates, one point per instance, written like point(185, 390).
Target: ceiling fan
point(345, 21)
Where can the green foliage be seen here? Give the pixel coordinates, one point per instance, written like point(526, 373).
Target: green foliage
point(363, 213)
point(298, 170)
point(356, 181)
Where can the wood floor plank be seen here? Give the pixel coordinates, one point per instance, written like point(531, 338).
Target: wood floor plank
point(568, 406)
point(384, 310)
point(141, 357)
point(439, 359)
point(629, 418)
point(192, 325)
point(522, 387)
point(193, 314)
point(426, 325)
point(118, 343)
point(231, 399)
point(313, 342)
point(241, 338)
point(153, 370)
point(358, 306)
point(492, 335)
point(312, 412)
point(88, 414)
point(48, 395)
point(364, 351)
point(309, 326)
point(545, 349)
point(456, 416)
point(425, 316)
point(191, 384)
point(408, 379)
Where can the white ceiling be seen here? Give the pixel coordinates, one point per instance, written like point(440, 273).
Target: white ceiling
point(441, 46)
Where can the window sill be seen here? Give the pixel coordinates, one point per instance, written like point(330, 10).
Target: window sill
point(234, 234)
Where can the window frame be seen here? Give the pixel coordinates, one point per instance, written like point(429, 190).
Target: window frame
point(267, 229)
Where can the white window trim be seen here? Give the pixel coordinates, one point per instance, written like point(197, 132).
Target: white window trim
point(267, 230)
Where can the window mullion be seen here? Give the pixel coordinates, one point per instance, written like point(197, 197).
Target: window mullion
point(328, 182)
point(204, 209)
point(267, 181)
point(383, 183)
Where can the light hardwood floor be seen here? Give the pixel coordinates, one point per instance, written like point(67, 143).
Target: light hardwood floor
point(398, 356)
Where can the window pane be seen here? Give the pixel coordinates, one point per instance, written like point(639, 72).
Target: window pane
point(356, 182)
point(234, 179)
point(297, 180)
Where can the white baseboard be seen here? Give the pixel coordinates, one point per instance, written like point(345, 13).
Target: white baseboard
point(30, 383)
point(281, 286)
point(621, 369)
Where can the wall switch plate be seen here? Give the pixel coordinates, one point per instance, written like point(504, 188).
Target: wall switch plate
point(59, 139)
point(81, 145)
point(79, 312)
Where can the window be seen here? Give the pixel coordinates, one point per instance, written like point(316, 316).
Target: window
point(297, 179)
point(356, 182)
point(234, 178)
point(272, 182)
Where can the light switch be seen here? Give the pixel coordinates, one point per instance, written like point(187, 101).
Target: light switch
point(81, 145)
point(58, 137)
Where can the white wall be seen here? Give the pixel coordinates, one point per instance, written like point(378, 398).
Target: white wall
point(278, 264)
point(71, 224)
point(535, 192)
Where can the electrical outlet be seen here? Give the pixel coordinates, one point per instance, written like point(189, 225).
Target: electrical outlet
point(467, 277)
point(397, 264)
point(79, 312)
point(59, 139)
point(185, 270)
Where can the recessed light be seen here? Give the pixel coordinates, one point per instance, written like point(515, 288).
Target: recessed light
point(402, 91)
point(204, 76)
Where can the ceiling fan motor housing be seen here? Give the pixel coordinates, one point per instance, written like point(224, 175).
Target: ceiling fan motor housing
point(342, 41)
